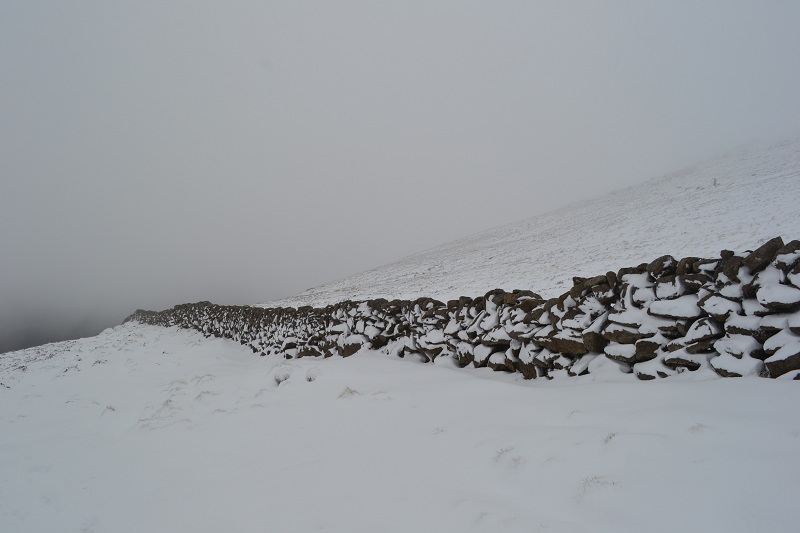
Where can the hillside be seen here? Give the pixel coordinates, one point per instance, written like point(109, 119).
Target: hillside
point(736, 202)
point(155, 427)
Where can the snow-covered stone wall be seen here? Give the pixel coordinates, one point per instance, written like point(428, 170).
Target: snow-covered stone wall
point(738, 315)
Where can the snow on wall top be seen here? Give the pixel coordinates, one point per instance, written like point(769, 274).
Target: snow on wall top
point(736, 202)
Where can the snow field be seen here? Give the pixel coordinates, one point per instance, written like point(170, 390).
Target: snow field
point(149, 428)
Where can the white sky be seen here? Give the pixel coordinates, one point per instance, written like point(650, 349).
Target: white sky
point(154, 153)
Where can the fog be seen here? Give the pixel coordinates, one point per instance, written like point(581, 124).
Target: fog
point(155, 153)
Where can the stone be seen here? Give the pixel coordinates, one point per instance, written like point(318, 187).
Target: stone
point(742, 325)
point(523, 294)
point(783, 351)
point(779, 366)
point(641, 269)
point(669, 287)
point(624, 353)
point(731, 267)
point(682, 358)
point(562, 363)
point(432, 353)
point(703, 329)
point(623, 334)
point(763, 255)
point(739, 346)
point(694, 282)
point(675, 330)
point(705, 266)
point(379, 341)
point(719, 307)
point(783, 298)
point(663, 266)
point(646, 349)
point(289, 343)
point(580, 285)
point(686, 266)
point(351, 345)
point(528, 370)
point(794, 323)
point(700, 347)
point(529, 304)
point(604, 294)
point(788, 256)
point(684, 307)
point(309, 351)
point(594, 341)
point(565, 342)
point(728, 366)
point(500, 362)
point(642, 296)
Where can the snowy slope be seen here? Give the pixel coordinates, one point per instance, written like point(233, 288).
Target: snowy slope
point(755, 198)
point(145, 428)
point(153, 429)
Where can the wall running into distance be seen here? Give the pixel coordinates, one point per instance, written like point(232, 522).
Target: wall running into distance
point(736, 315)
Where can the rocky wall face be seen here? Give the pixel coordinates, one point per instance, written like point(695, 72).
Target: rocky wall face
point(736, 315)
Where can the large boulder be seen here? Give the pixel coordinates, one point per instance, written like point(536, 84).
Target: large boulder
point(763, 255)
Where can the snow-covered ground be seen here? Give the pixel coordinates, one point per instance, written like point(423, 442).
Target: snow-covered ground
point(737, 202)
point(151, 429)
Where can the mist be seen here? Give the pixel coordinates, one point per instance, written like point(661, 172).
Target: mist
point(158, 153)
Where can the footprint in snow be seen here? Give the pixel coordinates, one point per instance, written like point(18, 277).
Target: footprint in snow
point(347, 392)
point(381, 395)
point(312, 374)
point(205, 393)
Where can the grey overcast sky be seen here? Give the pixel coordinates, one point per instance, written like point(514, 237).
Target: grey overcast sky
point(159, 152)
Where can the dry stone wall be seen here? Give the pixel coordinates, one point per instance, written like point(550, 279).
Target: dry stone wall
point(737, 315)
